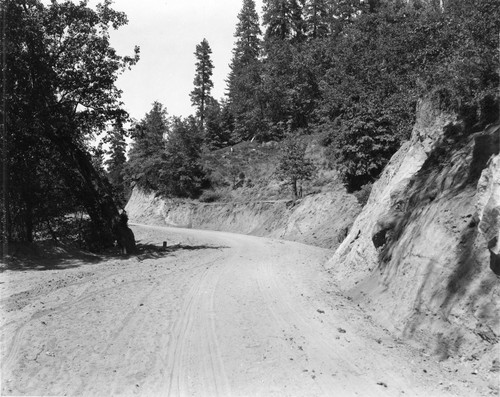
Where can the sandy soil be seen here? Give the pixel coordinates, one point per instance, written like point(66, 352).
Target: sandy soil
point(216, 314)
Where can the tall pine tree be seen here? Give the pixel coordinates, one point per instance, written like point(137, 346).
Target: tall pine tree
point(317, 18)
point(244, 80)
point(283, 20)
point(203, 80)
point(283, 69)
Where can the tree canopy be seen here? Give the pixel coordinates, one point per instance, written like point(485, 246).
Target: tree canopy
point(294, 167)
point(244, 81)
point(354, 71)
point(59, 83)
point(147, 150)
point(203, 84)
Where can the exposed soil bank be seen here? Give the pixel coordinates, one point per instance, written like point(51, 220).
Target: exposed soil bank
point(321, 219)
point(423, 254)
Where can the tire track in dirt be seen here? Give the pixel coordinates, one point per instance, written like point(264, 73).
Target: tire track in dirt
point(132, 323)
point(14, 348)
point(148, 330)
point(79, 297)
point(220, 380)
point(195, 332)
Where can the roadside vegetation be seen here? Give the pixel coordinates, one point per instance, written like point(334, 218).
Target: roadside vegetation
point(347, 74)
point(59, 93)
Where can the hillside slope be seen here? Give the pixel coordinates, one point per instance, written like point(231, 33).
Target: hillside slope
point(248, 198)
point(321, 219)
point(423, 253)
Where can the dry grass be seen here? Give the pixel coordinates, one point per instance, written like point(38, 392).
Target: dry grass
point(246, 172)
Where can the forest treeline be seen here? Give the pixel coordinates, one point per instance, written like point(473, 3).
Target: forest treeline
point(351, 71)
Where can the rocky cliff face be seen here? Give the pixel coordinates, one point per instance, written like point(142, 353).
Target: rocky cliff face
point(423, 255)
point(321, 219)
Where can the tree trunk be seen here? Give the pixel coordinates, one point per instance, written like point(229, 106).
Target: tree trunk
point(92, 189)
point(294, 189)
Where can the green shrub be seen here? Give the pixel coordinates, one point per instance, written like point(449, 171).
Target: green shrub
point(213, 196)
point(363, 194)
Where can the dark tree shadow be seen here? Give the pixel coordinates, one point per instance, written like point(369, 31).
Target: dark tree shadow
point(46, 255)
point(447, 180)
point(151, 251)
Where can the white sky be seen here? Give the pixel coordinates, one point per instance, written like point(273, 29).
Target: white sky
point(167, 32)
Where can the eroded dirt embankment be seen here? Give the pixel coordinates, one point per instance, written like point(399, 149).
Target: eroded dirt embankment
point(321, 219)
point(423, 253)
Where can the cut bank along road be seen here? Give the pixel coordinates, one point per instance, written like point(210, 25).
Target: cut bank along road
point(219, 314)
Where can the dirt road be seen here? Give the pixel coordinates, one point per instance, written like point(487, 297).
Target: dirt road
point(217, 314)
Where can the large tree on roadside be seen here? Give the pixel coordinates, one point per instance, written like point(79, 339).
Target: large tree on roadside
point(59, 90)
point(203, 79)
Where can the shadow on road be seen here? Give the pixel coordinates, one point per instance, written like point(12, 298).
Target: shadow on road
point(151, 251)
point(46, 255)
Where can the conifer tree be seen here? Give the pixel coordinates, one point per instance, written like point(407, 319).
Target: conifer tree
point(247, 34)
point(218, 125)
point(244, 79)
point(203, 80)
point(284, 73)
point(181, 173)
point(145, 156)
point(294, 167)
point(317, 18)
point(283, 20)
point(116, 161)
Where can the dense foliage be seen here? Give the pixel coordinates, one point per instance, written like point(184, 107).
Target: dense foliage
point(145, 155)
point(165, 155)
point(59, 91)
point(116, 163)
point(244, 80)
point(351, 71)
point(181, 174)
point(354, 70)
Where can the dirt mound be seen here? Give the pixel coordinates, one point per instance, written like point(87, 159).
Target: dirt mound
point(423, 254)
